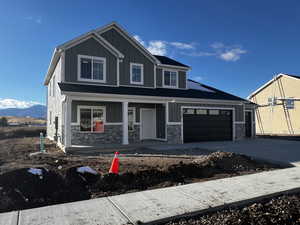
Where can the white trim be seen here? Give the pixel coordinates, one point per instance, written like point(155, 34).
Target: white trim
point(125, 123)
point(141, 128)
point(163, 78)
point(126, 85)
point(93, 84)
point(58, 50)
point(118, 72)
point(79, 57)
point(113, 123)
point(239, 122)
point(142, 73)
point(94, 35)
point(92, 108)
point(134, 116)
point(129, 38)
point(181, 68)
point(200, 107)
point(154, 76)
point(63, 59)
point(267, 84)
point(167, 112)
point(68, 115)
point(174, 123)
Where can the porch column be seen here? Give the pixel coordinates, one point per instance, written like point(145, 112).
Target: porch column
point(68, 105)
point(125, 123)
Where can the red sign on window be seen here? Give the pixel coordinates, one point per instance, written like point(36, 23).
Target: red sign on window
point(99, 126)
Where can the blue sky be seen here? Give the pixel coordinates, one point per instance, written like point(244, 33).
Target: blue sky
point(235, 46)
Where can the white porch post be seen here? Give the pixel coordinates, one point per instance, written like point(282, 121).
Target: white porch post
point(125, 123)
point(68, 106)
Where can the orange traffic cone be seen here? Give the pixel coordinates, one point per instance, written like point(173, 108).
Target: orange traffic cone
point(115, 164)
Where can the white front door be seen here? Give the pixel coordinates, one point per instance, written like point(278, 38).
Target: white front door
point(148, 124)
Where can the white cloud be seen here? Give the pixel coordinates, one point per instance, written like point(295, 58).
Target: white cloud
point(196, 54)
point(232, 54)
point(139, 39)
point(14, 103)
point(160, 47)
point(157, 47)
point(37, 20)
point(182, 45)
point(217, 45)
point(197, 78)
point(229, 53)
point(221, 51)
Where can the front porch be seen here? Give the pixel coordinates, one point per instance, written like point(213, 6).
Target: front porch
point(111, 122)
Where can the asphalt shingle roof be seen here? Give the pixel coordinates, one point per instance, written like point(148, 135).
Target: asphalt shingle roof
point(159, 92)
point(168, 61)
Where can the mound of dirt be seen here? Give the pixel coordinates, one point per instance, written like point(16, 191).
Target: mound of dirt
point(31, 187)
point(34, 187)
point(282, 210)
point(231, 162)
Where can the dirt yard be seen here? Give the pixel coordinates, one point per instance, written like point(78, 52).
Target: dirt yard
point(283, 210)
point(32, 180)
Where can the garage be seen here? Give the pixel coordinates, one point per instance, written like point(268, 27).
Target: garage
point(206, 125)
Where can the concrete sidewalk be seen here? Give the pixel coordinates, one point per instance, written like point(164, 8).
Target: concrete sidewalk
point(163, 204)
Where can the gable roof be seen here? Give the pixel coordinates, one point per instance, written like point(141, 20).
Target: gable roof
point(168, 61)
point(59, 49)
point(126, 35)
point(96, 34)
point(270, 82)
point(215, 94)
point(294, 76)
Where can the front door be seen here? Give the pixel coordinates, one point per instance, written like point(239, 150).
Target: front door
point(148, 124)
point(248, 124)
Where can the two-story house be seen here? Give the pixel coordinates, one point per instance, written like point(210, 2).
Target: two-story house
point(104, 87)
point(278, 106)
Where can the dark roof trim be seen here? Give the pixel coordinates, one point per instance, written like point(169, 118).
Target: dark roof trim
point(168, 61)
point(158, 92)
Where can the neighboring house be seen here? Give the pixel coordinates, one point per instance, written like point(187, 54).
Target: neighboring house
point(278, 106)
point(104, 87)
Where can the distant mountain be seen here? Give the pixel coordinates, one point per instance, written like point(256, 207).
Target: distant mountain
point(36, 111)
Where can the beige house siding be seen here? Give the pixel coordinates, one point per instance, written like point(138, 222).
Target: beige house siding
point(278, 119)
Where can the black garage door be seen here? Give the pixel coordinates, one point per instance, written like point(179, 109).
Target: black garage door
point(207, 125)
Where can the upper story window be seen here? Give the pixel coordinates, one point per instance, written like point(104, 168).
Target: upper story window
point(170, 79)
point(136, 73)
point(91, 68)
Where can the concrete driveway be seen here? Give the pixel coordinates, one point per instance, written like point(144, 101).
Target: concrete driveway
point(275, 150)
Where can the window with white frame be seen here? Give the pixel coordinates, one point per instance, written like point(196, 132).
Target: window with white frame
point(91, 68)
point(136, 73)
point(131, 118)
point(170, 78)
point(91, 119)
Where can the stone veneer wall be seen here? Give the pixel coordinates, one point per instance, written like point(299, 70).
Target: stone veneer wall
point(174, 134)
point(134, 136)
point(112, 135)
point(239, 131)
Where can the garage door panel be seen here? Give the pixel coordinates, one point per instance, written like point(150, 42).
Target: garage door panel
point(197, 127)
